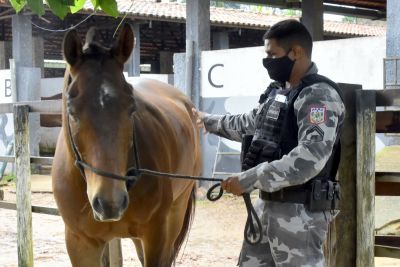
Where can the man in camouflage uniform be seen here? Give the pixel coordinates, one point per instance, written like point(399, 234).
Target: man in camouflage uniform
point(293, 233)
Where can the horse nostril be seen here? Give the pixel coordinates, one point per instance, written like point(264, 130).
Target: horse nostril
point(125, 202)
point(97, 206)
point(129, 184)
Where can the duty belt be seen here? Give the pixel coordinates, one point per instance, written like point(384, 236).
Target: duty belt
point(291, 195)
point(316, 195)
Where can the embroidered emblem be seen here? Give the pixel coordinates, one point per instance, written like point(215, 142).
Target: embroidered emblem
point(317, 115)
point(273, 112)
point(315, 133)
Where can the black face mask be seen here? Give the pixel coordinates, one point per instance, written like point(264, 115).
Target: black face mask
point(279, 69)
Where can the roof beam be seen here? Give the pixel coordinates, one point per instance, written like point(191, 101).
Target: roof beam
point(355, 12)
point(328, 8)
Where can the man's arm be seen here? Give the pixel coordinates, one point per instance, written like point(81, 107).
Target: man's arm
point(317, 136)
point(231, 126)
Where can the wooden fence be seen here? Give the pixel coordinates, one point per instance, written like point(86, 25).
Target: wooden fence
point(356, 244)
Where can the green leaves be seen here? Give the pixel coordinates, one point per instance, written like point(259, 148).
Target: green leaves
point(78, 5)
point(95, 3)
point(110, 7)
point(18, 5)
point(36, 6)
point(58, 7)
point(62, 7)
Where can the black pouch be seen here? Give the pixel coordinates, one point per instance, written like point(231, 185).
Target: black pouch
point(323, 195)
point(246, 142)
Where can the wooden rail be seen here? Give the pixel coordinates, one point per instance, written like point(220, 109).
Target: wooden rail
point(387, 251)
point(387, 183)
point(37, 160)
point(387, 98)
point(43, 107)
point(36, 209)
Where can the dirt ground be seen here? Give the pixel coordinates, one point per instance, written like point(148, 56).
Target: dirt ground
point(214, 240)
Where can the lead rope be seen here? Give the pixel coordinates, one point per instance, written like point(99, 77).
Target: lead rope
point(251, 234)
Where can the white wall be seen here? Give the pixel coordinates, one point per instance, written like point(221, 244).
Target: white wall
point(51, 86)
point(356, 60)
point(6, 120)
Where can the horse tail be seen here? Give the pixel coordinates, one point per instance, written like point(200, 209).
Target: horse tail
point(187, 223)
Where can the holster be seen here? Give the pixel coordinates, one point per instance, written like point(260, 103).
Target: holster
point(324, 195)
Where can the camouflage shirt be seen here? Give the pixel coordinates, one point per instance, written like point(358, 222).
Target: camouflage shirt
point(316, 137)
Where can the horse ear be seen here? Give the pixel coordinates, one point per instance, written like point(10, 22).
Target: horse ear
point(122, 48)
point(72, 48)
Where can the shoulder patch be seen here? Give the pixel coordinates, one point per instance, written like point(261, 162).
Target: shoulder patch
point(317, 114)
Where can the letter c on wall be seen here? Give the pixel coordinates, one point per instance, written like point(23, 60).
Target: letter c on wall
point(209, 76)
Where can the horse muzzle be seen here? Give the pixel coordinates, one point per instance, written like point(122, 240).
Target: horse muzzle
point(109, 211)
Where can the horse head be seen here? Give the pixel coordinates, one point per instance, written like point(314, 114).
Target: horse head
point(98, 111)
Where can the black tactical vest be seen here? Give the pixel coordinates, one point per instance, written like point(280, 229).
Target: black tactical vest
point(276, 131)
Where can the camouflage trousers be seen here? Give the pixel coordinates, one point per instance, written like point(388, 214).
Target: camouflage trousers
point(292, 237)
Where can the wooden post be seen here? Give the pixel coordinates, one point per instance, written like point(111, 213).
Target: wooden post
point(313, 18)
point(343, 236)
point(189, 68)
point(22, 166)
point(115, 252)
point(197, 31)
point(366, 125)
point(112, 254)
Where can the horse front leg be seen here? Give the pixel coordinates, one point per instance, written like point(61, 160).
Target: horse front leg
point(82, 250)
point(158, 248)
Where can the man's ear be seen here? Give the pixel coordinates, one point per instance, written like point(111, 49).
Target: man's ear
point(297, 52)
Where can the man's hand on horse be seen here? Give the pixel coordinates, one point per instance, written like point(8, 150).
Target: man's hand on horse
point(200, 119)
point(232, 185)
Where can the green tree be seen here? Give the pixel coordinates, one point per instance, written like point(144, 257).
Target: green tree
point(62, 7)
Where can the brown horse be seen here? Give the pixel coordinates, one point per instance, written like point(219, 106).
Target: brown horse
point(104, 119)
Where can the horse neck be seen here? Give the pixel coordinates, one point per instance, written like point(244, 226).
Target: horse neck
point(152, 127)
